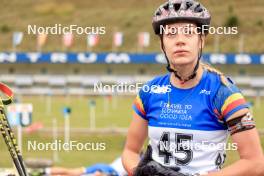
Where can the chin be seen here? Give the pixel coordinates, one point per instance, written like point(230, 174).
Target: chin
point(181, 61)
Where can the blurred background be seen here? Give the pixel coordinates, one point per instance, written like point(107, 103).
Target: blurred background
point(53, 76)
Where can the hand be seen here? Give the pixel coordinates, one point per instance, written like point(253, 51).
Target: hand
point(148, 167)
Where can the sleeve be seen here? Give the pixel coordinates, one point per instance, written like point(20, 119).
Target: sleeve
point(100, 167)
point(140, 104)
point(229, 100)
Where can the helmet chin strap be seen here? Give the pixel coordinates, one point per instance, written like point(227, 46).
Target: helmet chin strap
point(194, 73)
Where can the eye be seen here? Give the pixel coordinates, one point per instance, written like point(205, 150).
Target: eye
point(188, 31)
point(171, 34)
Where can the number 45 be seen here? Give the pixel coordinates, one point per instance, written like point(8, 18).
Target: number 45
point(179, 148)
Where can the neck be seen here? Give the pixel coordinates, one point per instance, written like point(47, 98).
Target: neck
point(185, 70)
point(185, 73)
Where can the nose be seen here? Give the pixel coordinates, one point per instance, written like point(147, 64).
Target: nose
point(180, 40)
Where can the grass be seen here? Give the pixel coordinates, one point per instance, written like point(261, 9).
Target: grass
point(105, 115)
point(116, 116)
point(113, 147)
point(131, 17)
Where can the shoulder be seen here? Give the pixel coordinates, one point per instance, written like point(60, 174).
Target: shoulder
point(159, 80)
point(228, 88)
point(142, 101)
point(213, 77)
point(158, 83)
point(229, 99)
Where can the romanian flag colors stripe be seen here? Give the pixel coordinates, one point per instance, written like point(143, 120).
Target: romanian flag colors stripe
point(232, 102)
point(139, 105)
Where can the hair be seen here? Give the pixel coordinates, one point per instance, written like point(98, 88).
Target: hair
point(216, 71)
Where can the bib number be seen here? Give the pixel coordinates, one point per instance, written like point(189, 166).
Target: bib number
point(165, 145)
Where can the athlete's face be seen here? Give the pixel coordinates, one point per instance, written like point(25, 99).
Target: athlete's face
point(182, 43)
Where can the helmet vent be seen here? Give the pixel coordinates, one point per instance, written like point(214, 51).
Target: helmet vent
point(158, 13)
point(177, 7)
point(198, 8)
point(188, 4)
point(166, 7)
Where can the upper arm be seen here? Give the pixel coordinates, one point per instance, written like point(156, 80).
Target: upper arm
point(231, 104)
point(248, 142)
point(137, 133)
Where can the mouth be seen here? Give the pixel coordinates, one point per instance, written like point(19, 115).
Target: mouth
point(180, 52)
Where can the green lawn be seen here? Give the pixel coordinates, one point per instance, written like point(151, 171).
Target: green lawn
point(74, 158)
point(115, 114)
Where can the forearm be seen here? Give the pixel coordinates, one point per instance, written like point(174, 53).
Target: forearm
point(130, 160)
point(66, 171)
point(241, 168)
point(57, 171)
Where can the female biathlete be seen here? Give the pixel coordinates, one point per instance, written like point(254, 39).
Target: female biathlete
point(189, 113)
